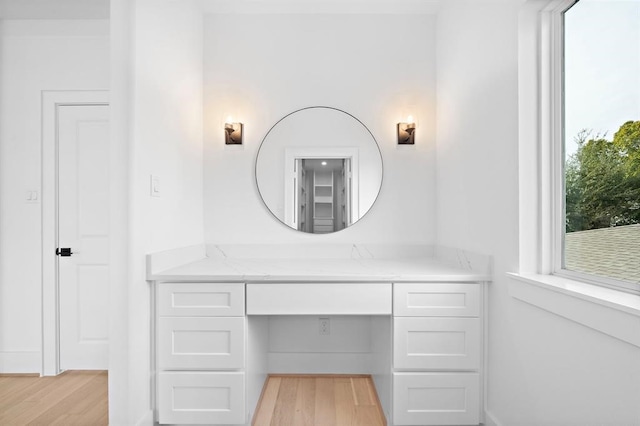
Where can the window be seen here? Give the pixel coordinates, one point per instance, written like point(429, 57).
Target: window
point(545, 278)
point(600, 214)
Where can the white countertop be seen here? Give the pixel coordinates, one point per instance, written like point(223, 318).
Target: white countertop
point(369, 268)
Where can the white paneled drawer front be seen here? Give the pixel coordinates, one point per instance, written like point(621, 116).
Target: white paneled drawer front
point(201, 398)
point(201, 343)
point(201, 299)
point(319, 298)
point(436, 399)
point(422, 343)
point(436, 300)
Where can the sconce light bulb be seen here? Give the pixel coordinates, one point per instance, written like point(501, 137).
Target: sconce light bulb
point(410, 119)
point(229, 119)
point(324, 163)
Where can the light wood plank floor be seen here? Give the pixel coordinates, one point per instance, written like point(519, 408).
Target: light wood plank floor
point(72, 398)
point(324, 400)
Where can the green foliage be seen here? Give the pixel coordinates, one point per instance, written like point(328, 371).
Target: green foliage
point(602, 180)
point(627, 140)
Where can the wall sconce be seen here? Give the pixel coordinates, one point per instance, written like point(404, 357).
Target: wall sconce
point(406, 132)
point(232, 132)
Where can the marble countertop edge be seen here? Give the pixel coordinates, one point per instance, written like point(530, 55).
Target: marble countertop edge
point(261, 270)
point(307, 279)
point(355, 263)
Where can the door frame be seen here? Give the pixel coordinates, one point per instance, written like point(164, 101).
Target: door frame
point(317, 152)
point(52, 100)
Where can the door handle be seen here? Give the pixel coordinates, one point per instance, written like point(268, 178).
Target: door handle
point(64, 252)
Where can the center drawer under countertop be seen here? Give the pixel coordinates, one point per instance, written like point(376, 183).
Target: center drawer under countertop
point(319, 299)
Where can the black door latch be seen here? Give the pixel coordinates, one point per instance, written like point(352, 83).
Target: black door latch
point(64, 252)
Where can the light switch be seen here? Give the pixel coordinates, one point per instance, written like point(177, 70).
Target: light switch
point(155, 186)
point(32, 196)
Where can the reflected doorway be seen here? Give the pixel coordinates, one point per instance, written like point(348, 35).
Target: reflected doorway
point(323, 194)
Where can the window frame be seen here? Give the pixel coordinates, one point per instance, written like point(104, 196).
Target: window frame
point(607, 308)
point(552, 151)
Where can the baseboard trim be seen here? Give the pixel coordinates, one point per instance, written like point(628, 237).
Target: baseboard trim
point(146, 419)
point(490, 419)
point(20, 362)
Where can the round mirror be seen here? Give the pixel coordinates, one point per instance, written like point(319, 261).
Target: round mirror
point(319, 170)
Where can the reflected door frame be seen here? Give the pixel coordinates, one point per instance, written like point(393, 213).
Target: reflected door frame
point(292, 155)
point(51, 101)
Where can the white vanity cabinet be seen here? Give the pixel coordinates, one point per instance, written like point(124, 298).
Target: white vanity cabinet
point(436, 354)
point(221, 329)
point(200, 353)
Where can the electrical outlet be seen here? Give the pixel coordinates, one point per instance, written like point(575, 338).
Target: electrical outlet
point(324, 326)
point(32, 197)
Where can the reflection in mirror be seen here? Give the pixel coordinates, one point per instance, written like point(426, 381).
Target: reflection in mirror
point(319, 170)
point(323, 192)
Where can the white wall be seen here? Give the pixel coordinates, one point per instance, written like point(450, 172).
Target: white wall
point(259, 68)
point(165, 128)
point(543, 369)
point(34, 56)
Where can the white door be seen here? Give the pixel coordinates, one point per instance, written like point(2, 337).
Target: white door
point(83, 227)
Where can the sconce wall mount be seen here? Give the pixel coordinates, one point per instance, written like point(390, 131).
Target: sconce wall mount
point(233, 133)
point(406, 133)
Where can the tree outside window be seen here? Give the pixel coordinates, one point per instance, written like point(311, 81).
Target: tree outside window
point(602, 163)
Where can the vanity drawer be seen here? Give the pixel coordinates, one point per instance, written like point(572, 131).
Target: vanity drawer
point(201, 398)
point(436, 399)
point(436, 343)
point(323, 222)
point(201, 299)
point(201, 343)
point(436, 300)
point(319, 299)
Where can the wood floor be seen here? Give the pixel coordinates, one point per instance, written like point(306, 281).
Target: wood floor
point(294, 400)
point(72, 398)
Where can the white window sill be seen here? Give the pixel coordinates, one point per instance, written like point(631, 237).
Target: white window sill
point(609, 311)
